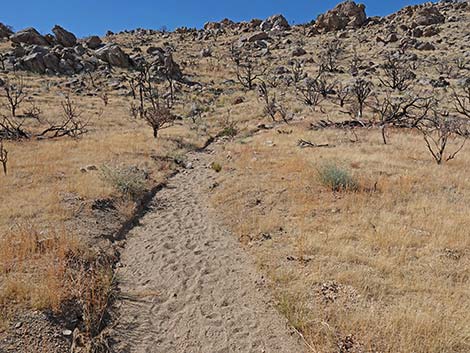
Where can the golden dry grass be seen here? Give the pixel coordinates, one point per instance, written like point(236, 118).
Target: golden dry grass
point(43, 175)
point(385, 269)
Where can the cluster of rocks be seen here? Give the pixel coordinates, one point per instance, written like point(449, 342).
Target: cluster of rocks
point(62, 53)
point(5, 31)
point(345, 15)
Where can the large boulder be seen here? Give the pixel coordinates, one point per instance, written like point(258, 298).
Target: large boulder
point(93, 42)
point(347, 14)
point(29, 36)
point(5, 31)
point(63, 37)
point(113, 55)
point(256, 37)
point(275, 23)
point(51, 61)
point(428, 15)
point(34, 62)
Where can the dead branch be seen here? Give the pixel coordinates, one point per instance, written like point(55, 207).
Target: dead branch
point(3, 157)
point(305, 144)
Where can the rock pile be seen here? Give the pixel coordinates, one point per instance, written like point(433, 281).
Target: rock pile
point(5, 31)
point(61, 53)
point(345, 15)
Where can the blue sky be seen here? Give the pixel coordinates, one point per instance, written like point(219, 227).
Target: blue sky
point(85, 17)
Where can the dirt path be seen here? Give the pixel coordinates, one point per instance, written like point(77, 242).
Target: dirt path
point(188, 285)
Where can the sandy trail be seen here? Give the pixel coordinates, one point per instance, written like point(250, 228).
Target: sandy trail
point(188, 286)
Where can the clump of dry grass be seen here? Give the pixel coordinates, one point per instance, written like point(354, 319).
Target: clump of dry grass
point(53, 271)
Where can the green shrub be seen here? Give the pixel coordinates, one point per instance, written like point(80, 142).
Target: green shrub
point(337, 178)
point(129, 181)
point(216, 166)
point(230, 131)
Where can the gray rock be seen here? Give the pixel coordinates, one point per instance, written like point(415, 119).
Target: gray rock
point(93, 42)
point(113, 55)
point(51, 62)
point(63, 37)
point(257, 36)
point(29, 36)
point(79, 50)
point(206, 52)
point(5, 31)
point(392, 38)
point(346, 14)
point(428, 15)
point(425, 46)
point(298, 51)
point(34, 63)
point(275, 23)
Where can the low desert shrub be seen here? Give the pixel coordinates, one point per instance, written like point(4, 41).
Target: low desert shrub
point(217, 167)
point(129, 181)
point(337, 178)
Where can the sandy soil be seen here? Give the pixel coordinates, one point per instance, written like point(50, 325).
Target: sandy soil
point(186, 283)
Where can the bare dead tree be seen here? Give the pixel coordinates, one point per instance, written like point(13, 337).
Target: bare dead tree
point(71, 123)
point(3, 157)
point(12, 128)
point(438, 129)
point(398, 75)
point(247, 69)
point(462, 101)
point(401, 111)
point(444, 68)
point(310, 94)
point(272, 107)
point(355, 63)
point(461, 63)
point(33, 111)
point(13, 91)
point(3, 58)
point(105, 98)
point(361, 89)
point(297, 69)
point(342, 94)
point(330, 55)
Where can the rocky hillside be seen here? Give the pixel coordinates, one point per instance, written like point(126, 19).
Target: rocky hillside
point(267, 92)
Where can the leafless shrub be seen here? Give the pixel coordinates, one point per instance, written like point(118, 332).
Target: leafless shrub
point(310, 94)
point(330, 55)
point(32, 111)
point(3, 157)
point(461, 63)
point(13, 91)
point(398, 75)
point(356, 62)
point(272, 108)
point(105, 98)
point(342, 94)
point(12, 128)
point(438, 129)
point(444, 68)
point(71, 123)
point(3, 58)
point(361, 89)
point(248, 70)
point(297, 69)
point(401, 111)
point(462, 101)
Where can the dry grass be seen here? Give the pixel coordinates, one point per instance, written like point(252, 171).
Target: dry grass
point(388, 269)
point(45, 259)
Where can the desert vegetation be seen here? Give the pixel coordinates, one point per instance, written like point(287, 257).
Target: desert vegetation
point(340, 161)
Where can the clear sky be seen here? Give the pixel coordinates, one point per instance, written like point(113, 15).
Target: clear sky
point(86, 17)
